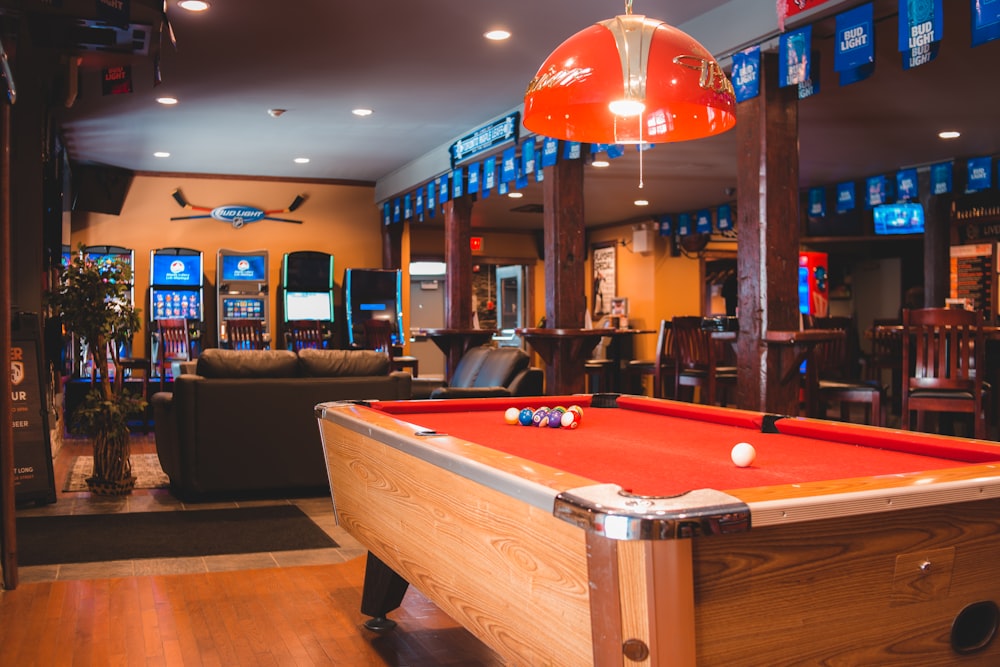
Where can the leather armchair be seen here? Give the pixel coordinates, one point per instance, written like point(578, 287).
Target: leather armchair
point(493, 371)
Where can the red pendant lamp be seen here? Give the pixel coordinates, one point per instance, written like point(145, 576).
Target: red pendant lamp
point(628, 80)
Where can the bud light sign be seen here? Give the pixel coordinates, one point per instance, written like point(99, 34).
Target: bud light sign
point(237, 215)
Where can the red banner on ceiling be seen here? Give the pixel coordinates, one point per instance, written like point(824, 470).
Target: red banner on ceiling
point(788, 8)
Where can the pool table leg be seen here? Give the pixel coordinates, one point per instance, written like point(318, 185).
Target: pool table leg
point(383, 591)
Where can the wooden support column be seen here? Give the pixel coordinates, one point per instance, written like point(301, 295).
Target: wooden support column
point(565, 280)
point(392, 246)
point(8, 535)
point(767, 207)
point(458, 274)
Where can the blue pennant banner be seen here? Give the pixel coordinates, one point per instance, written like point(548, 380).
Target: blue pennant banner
point(684, 224)
point(386, 213)
point(615, 151)
point(407, 207)
point(906, 184)
point(431, 203)
point(985, 21)
point(456, 184)
point(444, 192)
point(490, 172)
point(876, 191)
point(665, 225)
point(855, 39)
point(503, 188)
point(528, 157)
point(794, 52)
point(810, 86)
point(980, 174)
point(397, 210)
point(746, 73)
point(817, 202)
point(550, 151)
point(845, 197)
point(941, 178)
point(703, 221)
point(508, 167)
point(921, 27)
point(473, 185)
point(572, 150)
point(725, 218)
point(418, 208)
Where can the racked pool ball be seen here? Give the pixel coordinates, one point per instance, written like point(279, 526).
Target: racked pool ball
point(555, 418)
point(577, 409)
point(541, 418)
point(511, 415)
point(570, 419)
point(525, 416)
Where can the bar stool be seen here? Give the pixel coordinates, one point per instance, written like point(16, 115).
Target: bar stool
point(598, 373)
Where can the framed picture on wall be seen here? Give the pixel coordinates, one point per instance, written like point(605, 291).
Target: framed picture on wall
point(605, 285)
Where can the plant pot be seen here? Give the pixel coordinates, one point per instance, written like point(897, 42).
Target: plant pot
point(111, 487)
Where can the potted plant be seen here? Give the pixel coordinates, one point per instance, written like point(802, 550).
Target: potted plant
point(94, 302)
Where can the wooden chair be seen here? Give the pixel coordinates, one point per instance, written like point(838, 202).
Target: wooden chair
point(696, 358)
point(944, 361)
point(662, 368)
point(303, 334)
point(378, 336)
point(838, 371)
point(173, 345)
point(886, 355)
point(244, 334)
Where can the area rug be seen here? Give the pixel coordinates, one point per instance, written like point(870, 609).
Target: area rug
point(145, 467)
point(89, 538)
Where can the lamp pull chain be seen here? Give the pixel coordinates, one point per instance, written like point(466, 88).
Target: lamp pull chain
point(641, 151)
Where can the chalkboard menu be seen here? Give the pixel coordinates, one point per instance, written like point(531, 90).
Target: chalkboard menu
point(972, 272)
point(33, 477)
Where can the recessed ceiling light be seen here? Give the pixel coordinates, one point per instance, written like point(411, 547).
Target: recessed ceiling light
point(301, 160)
point(274, 113)
point(167, 101)
point(362, 112)
point(641, 202)
point(497, 35)
point(600, 164)
point(949, 134)
point(515, 195)
point(161, 154)
point(193, 5)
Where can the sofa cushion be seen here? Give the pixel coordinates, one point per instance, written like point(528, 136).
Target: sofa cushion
point(236, 364)
point(468, 366)
point(500, 366)
point(342, 363)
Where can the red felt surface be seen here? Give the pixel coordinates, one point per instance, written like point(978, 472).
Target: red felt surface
point(658, 454)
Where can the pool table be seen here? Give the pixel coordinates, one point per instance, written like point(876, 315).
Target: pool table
point(634, 540)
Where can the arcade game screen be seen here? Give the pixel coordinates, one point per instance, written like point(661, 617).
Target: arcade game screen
point(180, 270)
point(244, 267)
point(242, 308)
point(309, 306)
point(170, 304)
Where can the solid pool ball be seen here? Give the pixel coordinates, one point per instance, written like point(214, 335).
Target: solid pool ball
point(570, 419)
point(555, 419)
point(511, 416)
point(525, 417)
point(743, 454)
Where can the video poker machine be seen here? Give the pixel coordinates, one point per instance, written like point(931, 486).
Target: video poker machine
point(243, 292)
point(306, 295)
point(373, 294)
point(814, 289)
point(176, 291)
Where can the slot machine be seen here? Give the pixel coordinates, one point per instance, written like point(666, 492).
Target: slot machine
point(104, 254)
point(243, 296)
point(373, 294)
point(814, 289)
point(306, 299)
point(176, 291)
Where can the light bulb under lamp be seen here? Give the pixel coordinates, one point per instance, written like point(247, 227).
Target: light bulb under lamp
point(642, 61)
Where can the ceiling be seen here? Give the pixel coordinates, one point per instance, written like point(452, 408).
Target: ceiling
point(430, 77)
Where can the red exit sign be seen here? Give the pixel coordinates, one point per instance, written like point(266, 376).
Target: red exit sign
point(476, 243)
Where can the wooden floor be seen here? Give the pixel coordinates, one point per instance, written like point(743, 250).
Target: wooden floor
point(281, 615)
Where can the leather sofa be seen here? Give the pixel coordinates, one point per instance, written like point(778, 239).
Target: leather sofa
point(244, 426)
point(487, 371)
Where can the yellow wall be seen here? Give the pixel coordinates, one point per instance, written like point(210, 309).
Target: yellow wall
point(339, 219)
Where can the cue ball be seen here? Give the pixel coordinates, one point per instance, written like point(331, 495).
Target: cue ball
point(743, 454)
point(511, 415)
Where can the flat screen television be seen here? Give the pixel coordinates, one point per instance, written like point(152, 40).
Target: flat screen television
point(309, 306)
point(372, 294)
point(248, 268)
point(307, 271)
point(179, 270)
point(242, 308)
point(902, 218)
point(168, 304)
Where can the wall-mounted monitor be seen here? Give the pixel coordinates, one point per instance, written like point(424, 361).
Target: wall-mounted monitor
point(243, 268)
point(242, 308)
point(309, 306)
point(172, 303)
point(307, 271)
point(172, 269)
point(902, 218)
